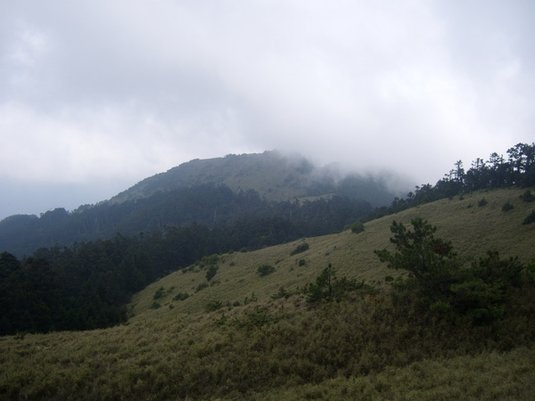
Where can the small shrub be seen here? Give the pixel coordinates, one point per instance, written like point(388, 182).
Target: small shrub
point(213, 305)
point(209, 260)
point(159, 293)
point(211, 272)
point(357, 227)
point(530, 218)
point(155, 305)
point(201, 287)
point(527, 196)
point(507, 206)
point(181, 296)
point(300, 248)
point(482, 202)
point(264, 270)
point(328, 287)
point(302, 262)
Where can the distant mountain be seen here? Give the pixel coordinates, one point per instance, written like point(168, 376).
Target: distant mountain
point(209, 192)
point(274, 176)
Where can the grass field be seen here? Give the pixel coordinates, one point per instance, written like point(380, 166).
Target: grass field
point(231, 340)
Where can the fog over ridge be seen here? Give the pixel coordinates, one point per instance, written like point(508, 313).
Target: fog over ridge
point(95, 96)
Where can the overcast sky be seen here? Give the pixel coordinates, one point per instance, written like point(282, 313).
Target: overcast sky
point(96, 95)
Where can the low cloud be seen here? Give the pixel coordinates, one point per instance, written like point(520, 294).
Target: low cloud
point(116, 91)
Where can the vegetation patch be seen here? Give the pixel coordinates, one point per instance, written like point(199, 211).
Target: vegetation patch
point(507, 206)
point(300, 248)
point(181, 296)
point(527, 196)
point(265, 270)
point(530, 218)
point(357, 227)
point(438, 281)
point(211, 272)
point(328, 287)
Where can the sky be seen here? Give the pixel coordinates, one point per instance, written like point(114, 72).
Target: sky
point(96, 95)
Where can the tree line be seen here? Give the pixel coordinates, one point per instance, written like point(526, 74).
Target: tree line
point(517, 169)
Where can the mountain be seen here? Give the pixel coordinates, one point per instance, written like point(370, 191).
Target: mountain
point(208, 192)
point(239, 325)
point(274, 176)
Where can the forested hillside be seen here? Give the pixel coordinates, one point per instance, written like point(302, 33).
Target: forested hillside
point(88, 284)
point(207, 192)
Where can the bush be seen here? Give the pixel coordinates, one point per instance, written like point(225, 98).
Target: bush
point(507, 206)
point(328, 287)
point(201, 287)
point(159, 293)
point(181, 296)
point(482, 202)
point(527, 196)
point(211, 272)
point(300, 248)
point(357, 227)
point(530, 218)
point(264, 270)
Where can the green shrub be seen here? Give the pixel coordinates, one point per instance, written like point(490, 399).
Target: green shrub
point(159, 293)
point(527, 196)
point(181, 296)
point(328, 287)
point(301, 262)
point(209, 260)
point(264, 270)
point(530, 218)
point(357, 227)
point(507, 206)
point(300, 248)
point(211, 272)
point(201, 287)
point(482, 202)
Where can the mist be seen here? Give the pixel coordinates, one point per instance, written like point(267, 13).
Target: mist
point(97, 96)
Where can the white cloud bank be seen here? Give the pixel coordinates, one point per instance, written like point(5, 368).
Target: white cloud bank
point(115, 91)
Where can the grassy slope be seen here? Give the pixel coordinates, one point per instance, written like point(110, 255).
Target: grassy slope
point(473, 230)
point(161, 353)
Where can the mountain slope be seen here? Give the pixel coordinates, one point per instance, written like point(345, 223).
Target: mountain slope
point(274, 176)
point(207, 192)
point(232, 340)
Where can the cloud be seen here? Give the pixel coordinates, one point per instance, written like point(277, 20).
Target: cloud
point(120, 90)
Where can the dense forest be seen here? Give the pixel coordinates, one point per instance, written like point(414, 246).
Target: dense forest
point(88, 284)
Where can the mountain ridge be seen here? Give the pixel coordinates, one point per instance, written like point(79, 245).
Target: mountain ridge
point(176, 197)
